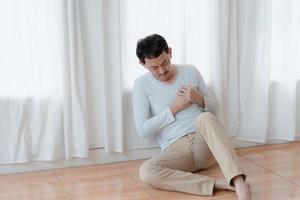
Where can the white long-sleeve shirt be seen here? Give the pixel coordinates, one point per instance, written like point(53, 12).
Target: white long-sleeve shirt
point(151, 106)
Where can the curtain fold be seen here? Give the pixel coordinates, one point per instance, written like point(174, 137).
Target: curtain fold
point(111, 76)
point(75, 118)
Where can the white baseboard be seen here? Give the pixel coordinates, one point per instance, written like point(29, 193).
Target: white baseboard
point(97, 156)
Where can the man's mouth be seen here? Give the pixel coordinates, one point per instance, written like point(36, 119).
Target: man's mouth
point(164, 73)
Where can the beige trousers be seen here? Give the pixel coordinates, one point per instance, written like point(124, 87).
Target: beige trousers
point(173, 168)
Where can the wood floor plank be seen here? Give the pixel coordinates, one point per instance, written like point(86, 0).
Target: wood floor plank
point(114, 191)
point(273, 172)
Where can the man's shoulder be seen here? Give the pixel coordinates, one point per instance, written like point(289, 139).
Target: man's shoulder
point(141, 81)
point(187, 69)
point(142, 78)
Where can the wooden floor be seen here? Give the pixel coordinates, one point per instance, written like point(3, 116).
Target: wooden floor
point(273, 172)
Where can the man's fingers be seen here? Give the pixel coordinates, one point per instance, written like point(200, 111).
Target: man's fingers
point(180, 92)
point(185, 90)
point(181, 96)
point(186, 87)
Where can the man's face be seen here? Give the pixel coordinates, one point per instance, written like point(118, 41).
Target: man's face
point(160, 67)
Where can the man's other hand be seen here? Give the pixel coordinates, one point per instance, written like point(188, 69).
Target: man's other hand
point(191, 94)
point(180, 103)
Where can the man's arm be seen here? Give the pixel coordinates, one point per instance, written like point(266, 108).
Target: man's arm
point(144, 123)
point(210, 103)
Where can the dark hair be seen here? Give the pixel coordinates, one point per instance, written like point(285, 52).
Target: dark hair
point(151, 47)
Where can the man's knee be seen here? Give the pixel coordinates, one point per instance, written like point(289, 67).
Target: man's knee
point(203, 118)
point(148, 172)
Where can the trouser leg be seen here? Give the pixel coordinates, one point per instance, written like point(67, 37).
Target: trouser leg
point(172, 170)
point(203, 157)
point(214, 134)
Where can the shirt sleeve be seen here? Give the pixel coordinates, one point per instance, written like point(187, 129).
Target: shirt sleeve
point(209, 100)
point(147, 125)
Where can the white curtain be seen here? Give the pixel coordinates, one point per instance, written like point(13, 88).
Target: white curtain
point(30, 81)
point(67, 69)
point(269, 73)
point(74, 99)
point(42, 78)
point(101, 34)
point(111, 76)
point(60, 79)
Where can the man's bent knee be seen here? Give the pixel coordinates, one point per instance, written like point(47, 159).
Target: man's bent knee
point(203, 118)
point(148, 173)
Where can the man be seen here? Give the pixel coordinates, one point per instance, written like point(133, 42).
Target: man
point(170, 105)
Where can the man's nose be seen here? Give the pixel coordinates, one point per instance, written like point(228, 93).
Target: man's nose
point(161, 70)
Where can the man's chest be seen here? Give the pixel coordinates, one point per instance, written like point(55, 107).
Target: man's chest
point(161, 98)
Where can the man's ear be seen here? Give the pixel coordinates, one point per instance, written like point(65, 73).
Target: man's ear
point(141, 63)
point(170, 52)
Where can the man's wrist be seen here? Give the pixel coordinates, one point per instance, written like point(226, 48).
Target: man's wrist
point(200, 101)
point(174, 110)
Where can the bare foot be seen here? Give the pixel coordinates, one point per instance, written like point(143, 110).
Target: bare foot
point(221, 184)
point(242, 188)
